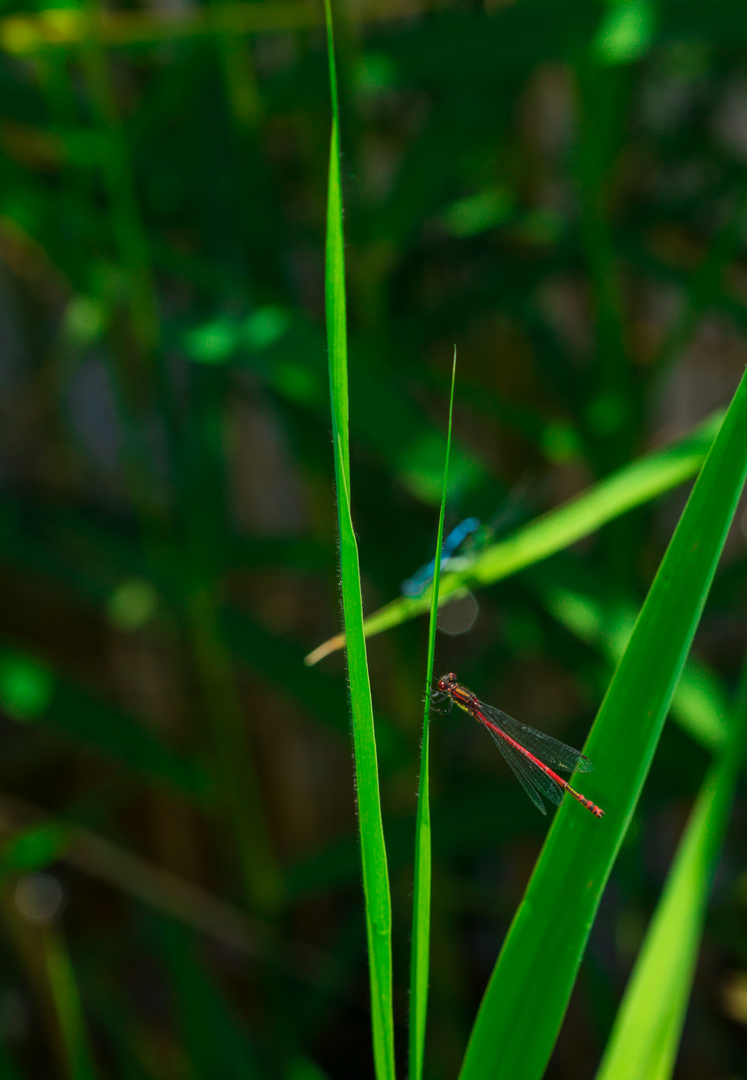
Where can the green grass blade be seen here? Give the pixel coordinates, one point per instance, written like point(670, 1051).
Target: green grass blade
point(373, 850)
point(334, 277)
point(644, 1040)
point(631, 486)
point(541, 954)
point(421, 892)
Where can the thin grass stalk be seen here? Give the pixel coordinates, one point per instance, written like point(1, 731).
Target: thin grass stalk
point(421, 892)
point(373, 850)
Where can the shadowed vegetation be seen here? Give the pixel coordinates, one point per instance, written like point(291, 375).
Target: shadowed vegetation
point(558, 188)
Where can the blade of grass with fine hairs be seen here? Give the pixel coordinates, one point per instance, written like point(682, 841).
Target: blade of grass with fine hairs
point(631, 486)
point(543, 949)
point(644, 1040)
point(421, 892)
point(373, 851)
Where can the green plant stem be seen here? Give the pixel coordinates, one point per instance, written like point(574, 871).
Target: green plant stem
point(421, 893)
point(373, 849)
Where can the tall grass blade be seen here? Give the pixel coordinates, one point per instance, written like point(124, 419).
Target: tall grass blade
point(542, 952)
point(644, 1040)
point(373, 850)
point(421, 892)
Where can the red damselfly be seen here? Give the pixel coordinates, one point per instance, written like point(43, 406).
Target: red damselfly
point(530, 753)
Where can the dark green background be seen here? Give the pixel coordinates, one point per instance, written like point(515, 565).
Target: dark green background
point(557, 188)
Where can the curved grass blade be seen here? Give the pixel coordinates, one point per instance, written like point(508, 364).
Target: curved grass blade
point(421, 891)
point(631, 486)
point(552, 924)
point(373, 851)
point(644, 1040)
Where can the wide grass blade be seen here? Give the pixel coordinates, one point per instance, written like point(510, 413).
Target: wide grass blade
point(421, 892)
point(699, 704)
point(644, 1040)
point(631, 486)
point(541, 955)
point(373, 851)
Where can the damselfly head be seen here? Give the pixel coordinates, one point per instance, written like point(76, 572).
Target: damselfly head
point(446, 682)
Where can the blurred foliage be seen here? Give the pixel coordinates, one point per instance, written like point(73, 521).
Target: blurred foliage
point(557, 187)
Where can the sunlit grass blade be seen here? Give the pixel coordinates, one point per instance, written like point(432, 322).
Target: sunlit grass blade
point(644, 1040)
point(421, 893)
point(543, 949)
point(631, 486)
point(373, 850)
